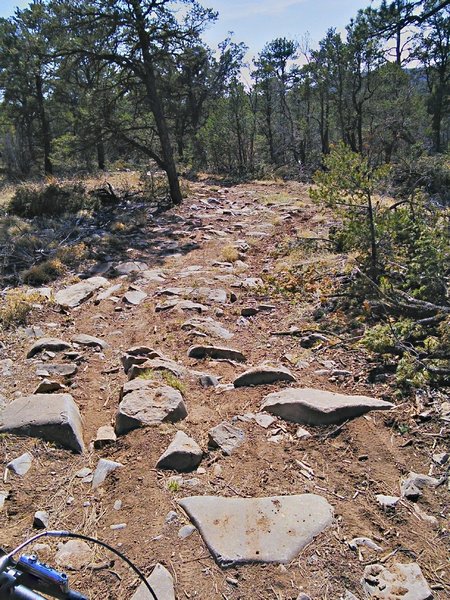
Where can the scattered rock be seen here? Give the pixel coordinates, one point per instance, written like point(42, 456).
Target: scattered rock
point(441, 458)
point(319, 407)
point(117, 505)
point(427, 518)
point(21, 465)
point(182, 305)
point(183, 454)
point(105, 435)
point(41, 519)
point(216, 353)
point(171, 517)
point(134, 297)
point(264, 420)
point(118, 526)
point(208, 326)
point(103, 469)
point(186, 531)
point(381, 582)
point(242, 530)
point(126, 268)
point(6, 365)
point(52, 344)
point(411, 487)
point(48, 387)
point(355, 543)
point(63, 370)
point(302, 434)
point(3, 497)
point(138, 356)
point(89, 340)
point(208, 381)
point(52, 417)
point(161, 582)
point(73, 555)
point(74, 295)
point(263, 375)
point(157, 364)
point(84, 472)
point(226, 437)
point(387, 502)
point(147, 403)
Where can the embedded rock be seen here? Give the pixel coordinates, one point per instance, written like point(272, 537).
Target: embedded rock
point(267, 530)
point(263, 375)
point(54, 418)
point(73, 555)
point(318, 407)
point(381, 582)
point(183, 454)
point(216, 352)
point(52, 344)
point(21, 465)
point(74, 295)
point(161, 582)
point(40, 520)
point(103, 469)
point(387, 502)
point(148, 403)
point(412, 486)
point(126, 268)
point(226, 437)
point(47, 387)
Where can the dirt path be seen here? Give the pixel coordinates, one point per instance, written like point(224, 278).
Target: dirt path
point(349, 466)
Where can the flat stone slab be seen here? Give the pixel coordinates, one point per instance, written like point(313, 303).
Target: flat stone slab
point(51, 417)
point(216, 352)
point(52, 344)
point(183, 454)
point(319, 407)
point(181, 305)
point(262, 376)
point(397, 581)
point(74, 295)
point(126, 268)
point(266, 530)
point(148, 404)
point(161, 582)
point(48, 369)
point(89, 340)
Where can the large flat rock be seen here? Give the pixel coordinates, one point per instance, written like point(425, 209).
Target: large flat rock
point(267, 530)
point(397, 581)
point(51, 417)
point(79, 292)
point(319, 407)
point(147, 403)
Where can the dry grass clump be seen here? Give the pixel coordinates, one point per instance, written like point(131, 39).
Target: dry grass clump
point(46, 271)
point(229, 253)
point(16, 306)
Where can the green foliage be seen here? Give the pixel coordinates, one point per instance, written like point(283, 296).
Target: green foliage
point(53, 199)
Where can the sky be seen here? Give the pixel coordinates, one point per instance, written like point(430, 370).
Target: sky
point(256, 22)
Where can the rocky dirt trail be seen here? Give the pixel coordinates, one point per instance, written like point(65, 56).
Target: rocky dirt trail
point(172, 405)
